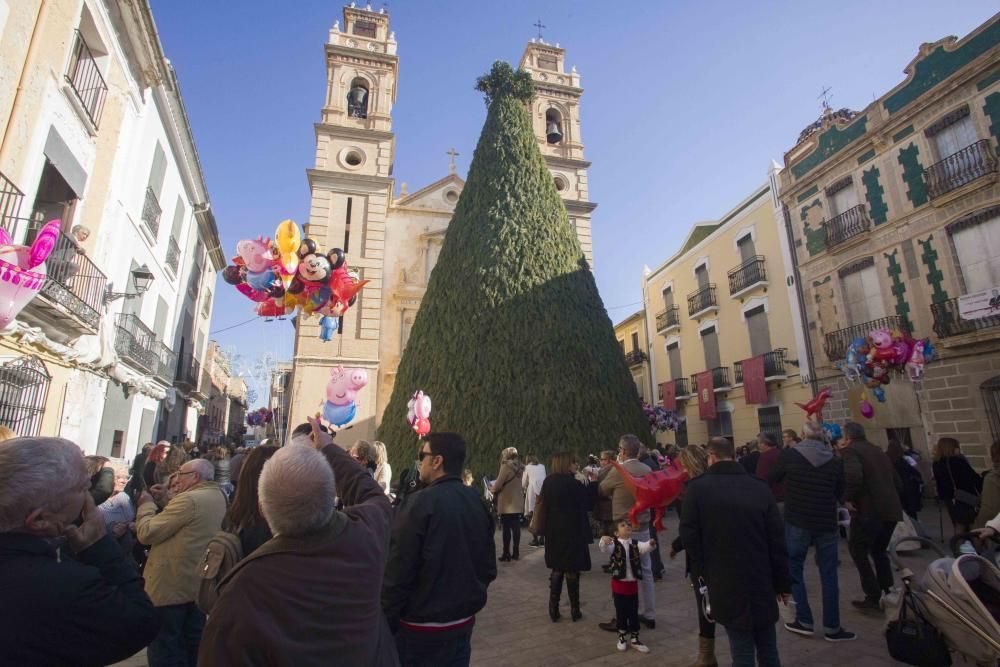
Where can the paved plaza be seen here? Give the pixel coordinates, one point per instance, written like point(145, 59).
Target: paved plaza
point(514, 629)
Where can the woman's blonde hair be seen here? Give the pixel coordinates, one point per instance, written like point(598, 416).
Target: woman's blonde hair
point(561, 462)
point(508, 454)
point(381, 455)
point(6, 433)
point(694, 460)
point(95, 464)
point(946, 448)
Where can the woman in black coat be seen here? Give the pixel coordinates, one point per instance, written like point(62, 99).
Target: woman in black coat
point(567, 532)
point(953, 473)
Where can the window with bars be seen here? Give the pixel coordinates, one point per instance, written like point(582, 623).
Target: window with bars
point(364, 29)
point(991, 398)
point(769, 420)
point(24, 386)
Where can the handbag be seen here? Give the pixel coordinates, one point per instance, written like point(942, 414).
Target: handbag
point(961, 495)
point(912, 639)
point(537, 524)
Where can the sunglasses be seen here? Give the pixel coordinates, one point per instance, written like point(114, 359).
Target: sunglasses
point(422, 454)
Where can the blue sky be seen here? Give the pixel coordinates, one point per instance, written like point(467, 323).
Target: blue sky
point(685, 103)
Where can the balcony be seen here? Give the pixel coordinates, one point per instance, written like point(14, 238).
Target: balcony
point(84, 77)
point(668, 320)
point(167, 364)
point(967, 165)
point(151, 213)
point(173, 255)
point(749, 274)
point(846, 226)
point(702, 300)
point(837, 341)
point(73, 284)
point(774, 366)
point(137, 344)
point(10, 204)
point(681, 389)
point(635, 357)
point(188, 372)
point(720, 380)
point(948, 322)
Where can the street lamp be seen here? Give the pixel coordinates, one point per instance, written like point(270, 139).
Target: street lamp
point(142, 277)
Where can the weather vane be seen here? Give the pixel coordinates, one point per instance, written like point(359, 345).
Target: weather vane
point(453, 154)
point(538, 24)
point(826, 97)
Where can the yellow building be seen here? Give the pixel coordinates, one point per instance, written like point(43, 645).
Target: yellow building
point(895, 215)
point(720, 303)
point(631, 335)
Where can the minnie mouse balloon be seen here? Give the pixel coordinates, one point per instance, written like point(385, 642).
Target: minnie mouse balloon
point(419, 412)
point(22, 270)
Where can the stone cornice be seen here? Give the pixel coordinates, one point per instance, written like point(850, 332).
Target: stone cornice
point(322, 176)
point(353, 132)
point(577, 206)
point(568, 162)
point(362, 56)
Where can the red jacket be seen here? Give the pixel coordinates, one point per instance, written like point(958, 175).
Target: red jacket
point(764, 464)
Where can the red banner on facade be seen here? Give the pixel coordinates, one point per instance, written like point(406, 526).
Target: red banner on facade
point(754, 387)
point(669, 395)
point(706, 395)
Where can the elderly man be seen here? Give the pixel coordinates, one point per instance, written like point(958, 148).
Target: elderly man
point(179, 535)
point(88, 609)
point(613, 486)
point(309, 596)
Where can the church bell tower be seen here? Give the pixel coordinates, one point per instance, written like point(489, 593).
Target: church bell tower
point(351, 185)
point(555, 117)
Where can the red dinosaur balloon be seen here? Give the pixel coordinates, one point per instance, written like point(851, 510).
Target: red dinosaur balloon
point(815, 405)
point(654, 491)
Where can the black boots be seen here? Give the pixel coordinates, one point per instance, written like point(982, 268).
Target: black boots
point(555, 592)
point(573, 588)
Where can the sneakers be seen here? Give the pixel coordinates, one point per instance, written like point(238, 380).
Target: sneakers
point(799, 629)
point(841, 635)
point(622, 644)
point(638, 645)
point(868, 606)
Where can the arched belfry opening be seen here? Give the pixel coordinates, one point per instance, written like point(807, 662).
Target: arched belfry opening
point(357, 99)
point(553, 126)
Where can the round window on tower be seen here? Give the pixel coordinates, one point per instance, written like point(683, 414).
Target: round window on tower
point(352, 158)
point(560, 183)
point(451, 196)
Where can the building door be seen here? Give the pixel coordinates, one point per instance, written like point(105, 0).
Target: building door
point(747, 250)
point(978, 249)
point(760, 335)
point(701, 274)
point(710, 339)
point(674, 356)
point(55, 200)
point(668, 298)
point(635, 341)
point(769, 420)
point(844, 200)
point(863, 296)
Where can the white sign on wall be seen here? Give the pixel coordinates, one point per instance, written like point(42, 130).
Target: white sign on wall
point(980, 304)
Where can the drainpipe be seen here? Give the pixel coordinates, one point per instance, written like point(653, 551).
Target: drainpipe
point(29, 57)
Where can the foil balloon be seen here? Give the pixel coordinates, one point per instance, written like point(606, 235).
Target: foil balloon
point(287, 240)
point(419, 412)
point(341, 391)
point(327, 327)
point(867, 410)
point(22, 270)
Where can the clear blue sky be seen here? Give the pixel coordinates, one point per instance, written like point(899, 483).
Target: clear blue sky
point(685, 104)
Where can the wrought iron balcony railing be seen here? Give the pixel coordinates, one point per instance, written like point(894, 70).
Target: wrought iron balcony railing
point(72, 280)
point(136, 343)
point(948, 322)
point(847, 225)
point(720, 379)
point(747, 274)
point(971, 163)
point(837, 341)
point(151, 212)
point(635, 357)
point(668, 318)
point(681, 388)
point(84, 77)
point(188, 371)
point(10, 204)
point(173, 255)
point(702, 299)
point(774, 366)
point(167, 363)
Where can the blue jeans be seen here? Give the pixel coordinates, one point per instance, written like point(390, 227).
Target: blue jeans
point(798, 541)
point(753, 648)
point(451, 648)
point(180, 634)
point(647, 590)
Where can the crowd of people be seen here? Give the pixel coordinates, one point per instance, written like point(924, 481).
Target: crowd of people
point(292, 555)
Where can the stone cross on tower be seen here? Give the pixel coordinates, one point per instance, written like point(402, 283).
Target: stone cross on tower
point(453, 154)
point(538, 24)
point(826, 97)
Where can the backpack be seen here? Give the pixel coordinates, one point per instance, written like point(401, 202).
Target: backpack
point(224, 551)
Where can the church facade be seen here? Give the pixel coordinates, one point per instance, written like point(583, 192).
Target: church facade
point(394, 239)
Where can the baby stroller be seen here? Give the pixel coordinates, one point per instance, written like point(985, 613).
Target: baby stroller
point(954, 606)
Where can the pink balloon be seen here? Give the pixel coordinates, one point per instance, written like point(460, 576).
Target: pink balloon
point(18, 284)
point(902, 352)
point(423, 426)
point(867, 410)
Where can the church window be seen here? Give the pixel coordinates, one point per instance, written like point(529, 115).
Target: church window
point(451, 196)
point(553, 127)
point(547, 62)
point(357, 99)
point(364, 29)
point(560, 183)
point(353, 158)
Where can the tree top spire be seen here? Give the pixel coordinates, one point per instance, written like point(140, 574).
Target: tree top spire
point(503, 80)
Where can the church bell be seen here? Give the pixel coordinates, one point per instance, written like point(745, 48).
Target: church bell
point(358, 94)
point(552, 133)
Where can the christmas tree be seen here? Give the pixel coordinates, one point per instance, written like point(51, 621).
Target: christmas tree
point(512, 341)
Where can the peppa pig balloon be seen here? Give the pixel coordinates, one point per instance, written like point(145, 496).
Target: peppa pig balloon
point(419, 412)
point(341, 391)
point(22, 270)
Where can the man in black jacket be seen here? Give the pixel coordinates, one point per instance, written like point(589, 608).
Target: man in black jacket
point(442, 557)
point(814, 482)
point(872, 495)
point(731, 528)
point(84, 609)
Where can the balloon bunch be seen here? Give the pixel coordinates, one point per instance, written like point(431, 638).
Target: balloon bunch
point(660, 419)
point(291, 274)
point(419, 412)
point(341, 391)
point(259, 417)
point(22, 270)
point(871, 361)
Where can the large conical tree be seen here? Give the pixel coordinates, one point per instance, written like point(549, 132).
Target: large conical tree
point(512, 341)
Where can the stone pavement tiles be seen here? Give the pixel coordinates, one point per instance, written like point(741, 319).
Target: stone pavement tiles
point(514, 629)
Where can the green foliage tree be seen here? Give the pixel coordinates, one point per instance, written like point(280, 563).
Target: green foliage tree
point(512, 341)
